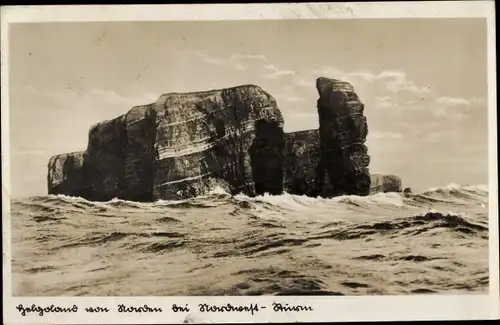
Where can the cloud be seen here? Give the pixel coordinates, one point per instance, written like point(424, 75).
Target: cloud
point(221, 62)
point(390, 90)
point(249, 57)
point(236, 61)
point(279, 73)
point(452, 101)
point(396, 105)
point(385, 102)
point(388, 81)
point(257, 64)
point(460, 101)
point(275, 73)
point(393, 81)
point(95, 104)
point(458, 108)
point(110, 94)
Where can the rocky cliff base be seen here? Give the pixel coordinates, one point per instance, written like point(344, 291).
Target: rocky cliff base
point(184, 144)
point(386, 183)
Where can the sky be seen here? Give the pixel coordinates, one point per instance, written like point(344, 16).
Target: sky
point(423, 83)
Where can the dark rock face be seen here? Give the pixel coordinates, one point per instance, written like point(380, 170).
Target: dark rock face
point(385, 183)
point(267, 157)
point(103, 160)
point(66, 174)
point(231, 137)
point(181, 146)
point(407, 190)
point(302, 157)
point(343, 130)
point(139, 154)
point(184, 144)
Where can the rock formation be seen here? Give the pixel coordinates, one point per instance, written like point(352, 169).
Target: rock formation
point(385, 183)
point(302, 157)
point(407, 190)
point(333, 160)
point(343, 130)
point(65, 174)
point(185, 143)
point(182, 145)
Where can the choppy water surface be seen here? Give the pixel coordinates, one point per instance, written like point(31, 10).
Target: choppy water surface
point(433, 242)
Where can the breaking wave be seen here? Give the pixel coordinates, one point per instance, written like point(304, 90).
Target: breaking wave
point(219, 244)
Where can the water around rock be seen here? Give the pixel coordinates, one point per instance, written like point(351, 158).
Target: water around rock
point(219, 244)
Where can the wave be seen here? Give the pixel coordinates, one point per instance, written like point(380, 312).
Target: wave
point(454, 186)
point(451, 194)
point(283, 244)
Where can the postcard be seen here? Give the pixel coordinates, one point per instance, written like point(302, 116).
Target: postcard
point(249, 163)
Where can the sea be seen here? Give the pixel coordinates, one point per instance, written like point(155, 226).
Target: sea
point(434, 242)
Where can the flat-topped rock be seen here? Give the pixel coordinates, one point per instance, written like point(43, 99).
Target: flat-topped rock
point(184, 144)
point(386, 183)
point(65, 174)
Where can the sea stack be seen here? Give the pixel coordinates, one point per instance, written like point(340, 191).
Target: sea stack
point(65, 174)
point(184, 144)
point(179, 147)
point(342, 130)
point(386, 183)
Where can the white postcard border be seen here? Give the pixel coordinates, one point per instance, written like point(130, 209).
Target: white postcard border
point(326, 308)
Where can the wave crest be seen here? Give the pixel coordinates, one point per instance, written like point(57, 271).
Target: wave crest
point(444, 197)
